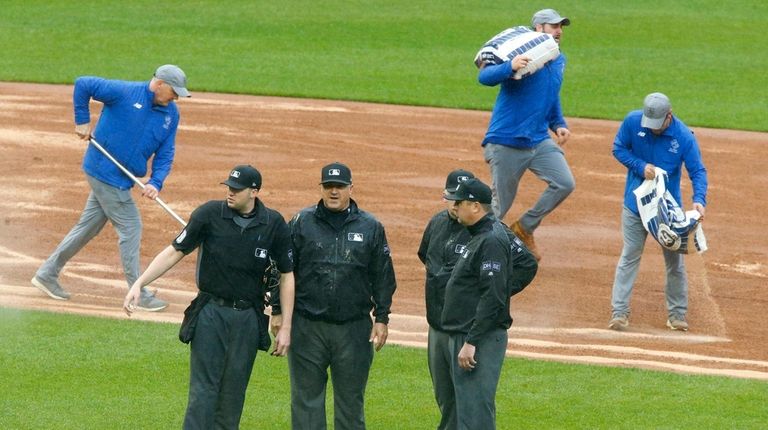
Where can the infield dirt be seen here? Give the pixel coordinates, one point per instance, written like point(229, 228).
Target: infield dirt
point(399, 157)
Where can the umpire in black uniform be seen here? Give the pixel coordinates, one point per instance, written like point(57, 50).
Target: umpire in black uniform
point(343, 272)
point(237, 237)
point(476, 312)
point(444, 240)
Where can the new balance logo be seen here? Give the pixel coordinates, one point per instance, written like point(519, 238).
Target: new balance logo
point(137, 105)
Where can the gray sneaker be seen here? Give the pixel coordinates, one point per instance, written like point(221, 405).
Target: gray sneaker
point(150, 303)
point(53, 289)
point(619, 322)
point(676, 322)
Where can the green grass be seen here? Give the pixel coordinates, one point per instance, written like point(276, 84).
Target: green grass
point(707, 55)
point(72, 372)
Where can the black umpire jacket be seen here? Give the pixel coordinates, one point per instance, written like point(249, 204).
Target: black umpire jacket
point(341, 275)
point(493, 267)
point(443, 242)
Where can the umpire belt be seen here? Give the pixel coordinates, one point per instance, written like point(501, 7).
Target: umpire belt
point(238, 305)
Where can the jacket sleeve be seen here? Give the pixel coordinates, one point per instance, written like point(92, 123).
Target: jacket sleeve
point(91, 87)
point(696, 171)
point(293, 226)
point(493, 273)
point(163, 158)
point(622, 151)
point(424, 246)
point(382, 277)
point(555, 118)
point(494, 74)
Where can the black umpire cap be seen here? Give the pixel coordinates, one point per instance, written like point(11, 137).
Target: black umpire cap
point(473, 190)
point(244, 176)
point(455, 178)
point(336, 173)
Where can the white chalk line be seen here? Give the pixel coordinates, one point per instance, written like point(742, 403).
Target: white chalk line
point(24, 294)
point(544, 344)
point(623, 362)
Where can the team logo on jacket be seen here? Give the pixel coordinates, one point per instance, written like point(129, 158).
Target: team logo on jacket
point(641, 133)
point(673, 146)
point(491, 266)
point(460, 248)
point(386, 249)
point(137, 105)
point(167, 123)
point(355, 237)
point(260, 253)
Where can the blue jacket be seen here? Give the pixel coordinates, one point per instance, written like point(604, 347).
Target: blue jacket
point(636, 146)
point(525, 109)
point(130, 128)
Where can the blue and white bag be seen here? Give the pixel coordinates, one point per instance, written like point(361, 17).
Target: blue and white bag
point(674, 229)
point(541, 48)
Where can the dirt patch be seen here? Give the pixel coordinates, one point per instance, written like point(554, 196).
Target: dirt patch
point(399, 157)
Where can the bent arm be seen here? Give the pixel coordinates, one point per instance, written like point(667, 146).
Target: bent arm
point(494, 74)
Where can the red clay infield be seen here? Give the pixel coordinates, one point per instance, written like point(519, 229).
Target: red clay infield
point(399, 157)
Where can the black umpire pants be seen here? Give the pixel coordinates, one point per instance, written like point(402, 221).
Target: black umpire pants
point(475, 390)
point(221, 360)
point(439, 357)
point(316, 346)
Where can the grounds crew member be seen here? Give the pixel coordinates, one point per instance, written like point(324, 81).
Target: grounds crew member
point(237, 238)
point(518, 136)
point(477, 304)
point(443, 241)
point(138, 122)
point(647, 139)
point(343, 272)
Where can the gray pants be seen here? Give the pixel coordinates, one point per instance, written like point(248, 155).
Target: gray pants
point(439, 359)
point(546, 160)
point(476, 389)
point(104, 203)
point(222, 353)
point(316, 346)
point(676, 288)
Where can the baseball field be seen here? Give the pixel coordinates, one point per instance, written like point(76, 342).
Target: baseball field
point(389, 89)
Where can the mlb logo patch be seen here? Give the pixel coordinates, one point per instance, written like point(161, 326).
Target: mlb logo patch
point(334, 172)
point(235, 174)
point(460, 248)
point(355, 237)
point(260, 253)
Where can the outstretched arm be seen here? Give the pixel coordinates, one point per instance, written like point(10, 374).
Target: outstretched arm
point(166, 259)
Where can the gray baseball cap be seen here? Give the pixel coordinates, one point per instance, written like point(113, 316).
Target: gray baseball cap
point(175, 77)
point(549, 16)
point(655, 109)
